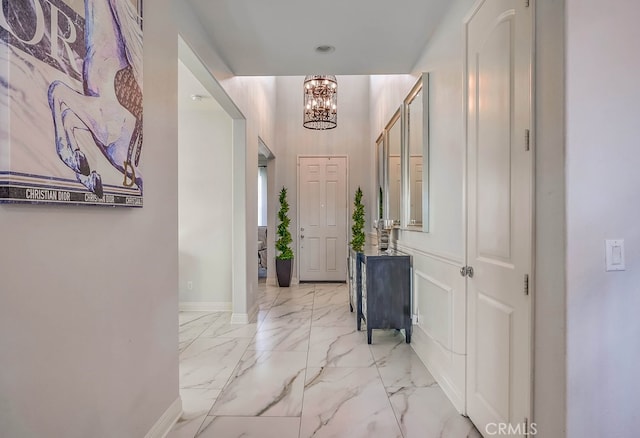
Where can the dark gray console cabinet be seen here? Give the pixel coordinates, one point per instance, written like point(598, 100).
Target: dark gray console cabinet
point(383, 289)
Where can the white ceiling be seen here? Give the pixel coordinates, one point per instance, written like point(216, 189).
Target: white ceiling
point(278, 37)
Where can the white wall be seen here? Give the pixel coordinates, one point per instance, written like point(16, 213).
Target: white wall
point(602, 179)
point(350, 137)
point(549, 294)
point(254, 98)
point(205, 168)
point(88, 303)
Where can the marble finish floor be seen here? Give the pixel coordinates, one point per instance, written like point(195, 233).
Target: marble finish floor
point(303, 371)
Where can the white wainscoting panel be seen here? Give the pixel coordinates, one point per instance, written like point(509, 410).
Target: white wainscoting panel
point(435, 308)
point(204, 306)
point(439, 337)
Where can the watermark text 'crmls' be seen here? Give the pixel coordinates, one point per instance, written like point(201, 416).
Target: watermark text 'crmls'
point(508, 429)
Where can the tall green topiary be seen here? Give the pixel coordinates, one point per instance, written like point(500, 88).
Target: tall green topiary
point(357, 229)
point(284, 236)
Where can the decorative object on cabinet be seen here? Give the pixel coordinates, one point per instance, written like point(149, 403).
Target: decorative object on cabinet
point(284, 259)
point(357, 229)
point(383, 291)
point(384, 227)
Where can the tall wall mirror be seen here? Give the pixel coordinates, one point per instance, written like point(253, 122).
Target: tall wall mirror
point(394, 167)
point(380, 179)
point(416, 151)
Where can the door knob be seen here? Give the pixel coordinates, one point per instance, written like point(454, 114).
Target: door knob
point(466, 271)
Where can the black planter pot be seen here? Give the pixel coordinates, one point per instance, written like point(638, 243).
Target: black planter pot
point(284, 269)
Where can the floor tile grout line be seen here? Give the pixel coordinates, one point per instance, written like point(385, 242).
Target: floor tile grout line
point(386, 393)
point(228, 379)
point(247, 349)
point(306, 363)
point(198, 336)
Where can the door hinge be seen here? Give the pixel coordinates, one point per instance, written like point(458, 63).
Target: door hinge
point(526, 284)
point(527, 139)
point(466, 271)
point(526, 3)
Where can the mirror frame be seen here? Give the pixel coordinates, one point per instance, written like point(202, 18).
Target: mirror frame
point(421, 85)
point(397, 117)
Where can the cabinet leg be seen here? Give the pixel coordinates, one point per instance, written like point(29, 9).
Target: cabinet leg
point(407, 334)
point(351, 307)
point(358, 322)
point(369, 336)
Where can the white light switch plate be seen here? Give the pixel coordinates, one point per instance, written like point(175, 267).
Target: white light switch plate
point(614, 255)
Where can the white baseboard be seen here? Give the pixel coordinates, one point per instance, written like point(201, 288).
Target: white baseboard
point(204, 306)
point(425, 348)
point(239, 318)
point(164, 424)
point(273, 281)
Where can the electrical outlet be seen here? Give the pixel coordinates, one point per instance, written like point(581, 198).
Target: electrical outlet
point(190, 285)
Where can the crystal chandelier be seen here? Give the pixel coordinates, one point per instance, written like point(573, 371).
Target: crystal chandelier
point(320, 102)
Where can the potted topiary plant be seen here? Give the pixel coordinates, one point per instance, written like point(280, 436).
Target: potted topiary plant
point(284, 257)
point(357, 229)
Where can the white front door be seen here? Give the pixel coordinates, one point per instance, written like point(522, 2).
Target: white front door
point(499, 249)
point(322, 212)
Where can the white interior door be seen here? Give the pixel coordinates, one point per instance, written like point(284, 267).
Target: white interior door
point(499, 247)
point(322, 212)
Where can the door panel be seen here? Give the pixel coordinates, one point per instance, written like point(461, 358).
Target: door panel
point(493, 75)
point(331, 207)
point(492, 372)
point(499, 249)
point(313, 254)
point(332, 250)
point(323, 218)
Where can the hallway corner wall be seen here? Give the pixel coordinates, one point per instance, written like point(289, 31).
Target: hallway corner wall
point(205, 217)
point(255, 98)
point(88, 302)
point(549, 291)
